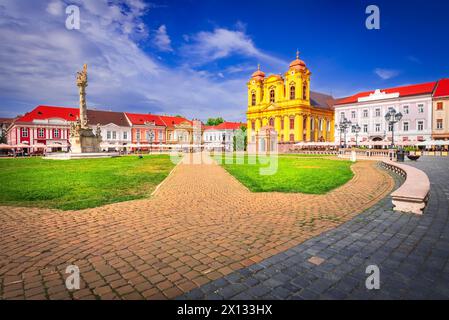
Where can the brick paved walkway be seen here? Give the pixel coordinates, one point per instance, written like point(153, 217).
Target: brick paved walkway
point(411, 251)
point(200, 226)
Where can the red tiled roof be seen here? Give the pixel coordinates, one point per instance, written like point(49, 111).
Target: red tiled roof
point(49, 112)
point(442, 89)
point(170, 121)
point(141, 119)
point(6, 120)
point(411, 90)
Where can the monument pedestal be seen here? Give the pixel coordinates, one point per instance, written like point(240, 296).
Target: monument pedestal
point(85, 141)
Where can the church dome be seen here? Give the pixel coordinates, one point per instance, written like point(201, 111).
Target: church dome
point(258, 75)
point(297, 64)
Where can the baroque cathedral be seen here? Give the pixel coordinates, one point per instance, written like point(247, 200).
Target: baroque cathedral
point(286, 106)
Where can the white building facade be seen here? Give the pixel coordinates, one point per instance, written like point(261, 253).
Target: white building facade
point(368, 111)
point(222, 135)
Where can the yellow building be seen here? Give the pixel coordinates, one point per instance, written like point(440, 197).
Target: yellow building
point(287, 105)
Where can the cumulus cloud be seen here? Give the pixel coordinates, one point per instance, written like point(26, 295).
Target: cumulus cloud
point(207, 46)
point(162, 40)
point(38, 63)
point(386, 74)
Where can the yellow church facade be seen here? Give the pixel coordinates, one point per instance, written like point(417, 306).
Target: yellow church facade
point(288, 106)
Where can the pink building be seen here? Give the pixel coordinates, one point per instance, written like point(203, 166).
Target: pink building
point(367, 109)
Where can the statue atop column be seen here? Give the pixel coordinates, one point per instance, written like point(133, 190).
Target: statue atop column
point(83, 139)
point(81, 82)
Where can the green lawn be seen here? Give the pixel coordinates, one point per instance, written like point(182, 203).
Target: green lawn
point(79, 184)
point(293, 174)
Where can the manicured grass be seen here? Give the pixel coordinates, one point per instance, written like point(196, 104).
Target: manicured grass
point(293, 174)
point(79, 184)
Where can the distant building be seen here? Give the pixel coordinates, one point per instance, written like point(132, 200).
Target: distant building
point(368, 109)
point(440, 118)
point(115, 128)
point(178, 130)
point(50, 126)
point(221, 135)
point(44, 125)
point(146, 128)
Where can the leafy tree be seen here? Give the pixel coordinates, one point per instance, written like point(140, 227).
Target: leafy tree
point(214, 121)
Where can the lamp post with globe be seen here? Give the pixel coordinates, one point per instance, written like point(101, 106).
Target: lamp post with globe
point(392, 117)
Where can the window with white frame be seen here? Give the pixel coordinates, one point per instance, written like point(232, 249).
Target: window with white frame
point(24, 132)
point(138, 135)
point(377, 127)
point(420, 125)
point(405, 126)
point(342, 115)
point(353, 114)
point(161, 135)
point(377, 112)
point(365, 113)
point(114, 135)
point(41, 132)
point(365, 128)
point(405, 109)
point(56, 133)
point(439, 124)
point(125, 135)
point(420, 108)
point(108, 135)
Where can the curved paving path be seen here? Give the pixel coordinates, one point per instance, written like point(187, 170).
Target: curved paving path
point(200, 226)
point(411, 251)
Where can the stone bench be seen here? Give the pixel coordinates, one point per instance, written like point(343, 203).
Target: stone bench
point(413, 194)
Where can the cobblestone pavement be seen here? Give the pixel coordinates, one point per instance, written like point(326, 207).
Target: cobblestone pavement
point(411, 252)
point(201, 225)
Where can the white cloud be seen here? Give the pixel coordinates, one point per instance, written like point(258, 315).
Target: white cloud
point(38, 63)
point(55, 8)
point(386, 74)
point(162, 40)
point(221, 43)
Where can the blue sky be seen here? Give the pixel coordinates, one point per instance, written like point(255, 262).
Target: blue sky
point(194, 57)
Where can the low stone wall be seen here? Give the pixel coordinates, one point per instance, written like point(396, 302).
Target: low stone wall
point(412, 196)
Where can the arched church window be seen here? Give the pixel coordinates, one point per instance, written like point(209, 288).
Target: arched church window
point(271, 122)
point(272, 95)
point(253, 98)
point(292, 93)
point(304, 92)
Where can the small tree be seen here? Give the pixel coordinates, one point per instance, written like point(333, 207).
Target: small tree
point(214, 121)
point(240, 140)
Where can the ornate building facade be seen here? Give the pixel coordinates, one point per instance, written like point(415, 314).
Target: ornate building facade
point(287, 106)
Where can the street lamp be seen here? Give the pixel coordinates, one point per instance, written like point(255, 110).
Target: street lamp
point(343, 126)
point(392, 117)
point(356, 128)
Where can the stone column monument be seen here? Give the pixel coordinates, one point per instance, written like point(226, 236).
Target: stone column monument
point(82, 138)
